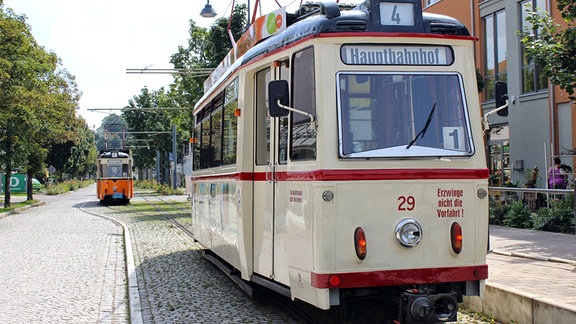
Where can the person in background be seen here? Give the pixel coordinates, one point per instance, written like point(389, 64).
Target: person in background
point(557, 176)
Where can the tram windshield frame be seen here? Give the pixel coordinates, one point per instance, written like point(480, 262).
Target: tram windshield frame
point(402, 114)
point(116, 169)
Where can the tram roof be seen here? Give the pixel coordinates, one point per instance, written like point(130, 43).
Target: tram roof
point(350, 21)
point(328, 18)
point(119, 153)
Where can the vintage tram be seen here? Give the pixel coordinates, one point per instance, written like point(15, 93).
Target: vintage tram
point(339, 155)
point(114, 176)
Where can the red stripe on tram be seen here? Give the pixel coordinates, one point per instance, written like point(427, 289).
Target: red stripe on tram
point(356, 174)
point(400, 277)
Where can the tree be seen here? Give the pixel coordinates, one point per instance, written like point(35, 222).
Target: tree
point(218, 41)
point(83, 154)
point(206, 49)
point(156, 122)
point(551, 45)
point(109, 135)
point(38, 101)
point(24, 70)
point(59, 107)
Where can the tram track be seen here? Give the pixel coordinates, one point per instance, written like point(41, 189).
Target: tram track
point(168, 216)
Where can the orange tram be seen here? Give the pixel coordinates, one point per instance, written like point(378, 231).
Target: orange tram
point(114, 181)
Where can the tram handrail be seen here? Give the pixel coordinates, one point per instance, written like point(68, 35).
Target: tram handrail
point(537, 190)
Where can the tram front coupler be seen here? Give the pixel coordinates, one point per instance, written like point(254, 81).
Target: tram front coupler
point(417, 307)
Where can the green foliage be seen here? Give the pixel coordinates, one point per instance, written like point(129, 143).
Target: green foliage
point(167, 190)
point(64, 187)
point(551, 45)
point(18, 205)
point(498, 212)
point(558, 218)
point(145, 184)
point(109, 135)
point(553, 220)
point(206, 49)
point(157, 187)
point(518, 216)
point(38, 100)
point(218, 40)
point(156, 123)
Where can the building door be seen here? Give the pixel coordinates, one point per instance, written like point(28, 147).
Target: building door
point(499, 155)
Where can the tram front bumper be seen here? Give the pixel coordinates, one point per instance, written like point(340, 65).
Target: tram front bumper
point(428, 308)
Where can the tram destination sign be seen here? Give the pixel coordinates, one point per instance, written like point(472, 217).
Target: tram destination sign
point(362, 54)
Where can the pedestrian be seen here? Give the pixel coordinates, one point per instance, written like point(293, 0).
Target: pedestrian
point(557, 176)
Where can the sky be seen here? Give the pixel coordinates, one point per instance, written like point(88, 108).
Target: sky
point(98, 41)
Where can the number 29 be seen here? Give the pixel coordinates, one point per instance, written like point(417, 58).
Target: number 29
point(406, 203)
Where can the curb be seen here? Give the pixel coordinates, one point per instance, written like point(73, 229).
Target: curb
point(133, 294)
point(512, 306)
point(21, 209)
point(534, 257)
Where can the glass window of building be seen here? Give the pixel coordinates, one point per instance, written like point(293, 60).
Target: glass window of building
point(499, 146)
point(431, 2)
point(532, 78)
point(495, 56)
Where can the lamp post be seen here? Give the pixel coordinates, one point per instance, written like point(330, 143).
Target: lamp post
point(208, 11)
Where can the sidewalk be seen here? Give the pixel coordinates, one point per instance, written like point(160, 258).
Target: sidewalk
point(532, 277)
point(61, 265)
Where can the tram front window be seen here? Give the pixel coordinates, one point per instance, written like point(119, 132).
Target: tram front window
point(118, 170)
point(401, 114)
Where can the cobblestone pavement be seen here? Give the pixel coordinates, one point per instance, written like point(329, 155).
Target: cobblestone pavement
point(60, 265)
point(177, 285)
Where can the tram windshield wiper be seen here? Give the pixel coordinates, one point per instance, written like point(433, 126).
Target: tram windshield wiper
point(423, 131)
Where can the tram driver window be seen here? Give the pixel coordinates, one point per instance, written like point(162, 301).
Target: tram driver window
point(114, 169)
point(398, 115)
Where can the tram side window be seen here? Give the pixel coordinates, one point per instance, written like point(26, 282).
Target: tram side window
point(303, 144)
point(125, 170)
point(103, 170)
point(216, 139)
point(215, 133)
point(205, 143)
point(196, 147)
point(230, 128)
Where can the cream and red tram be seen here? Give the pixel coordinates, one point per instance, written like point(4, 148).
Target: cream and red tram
point(342, 158)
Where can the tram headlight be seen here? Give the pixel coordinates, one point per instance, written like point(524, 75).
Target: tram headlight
point(114, 188)
point(409, 232)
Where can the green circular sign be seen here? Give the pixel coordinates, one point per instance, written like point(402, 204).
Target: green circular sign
point(271, 23)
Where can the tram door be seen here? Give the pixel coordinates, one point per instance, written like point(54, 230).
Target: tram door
point(270, 160)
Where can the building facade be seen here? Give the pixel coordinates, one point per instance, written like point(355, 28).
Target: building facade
point(539, 123)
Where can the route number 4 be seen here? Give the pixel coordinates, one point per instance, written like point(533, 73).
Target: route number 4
point(406, 203)
point(397, 14)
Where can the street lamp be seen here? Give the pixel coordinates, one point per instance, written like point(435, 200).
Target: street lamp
point(208, 11)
